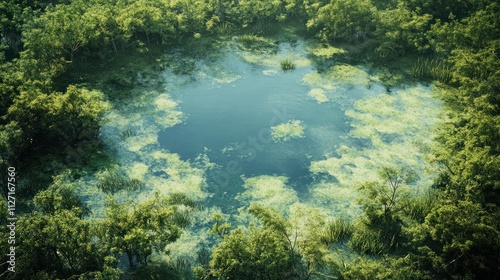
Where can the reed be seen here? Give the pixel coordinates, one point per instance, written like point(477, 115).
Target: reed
point(114, 181)
point(287, 64)
point(435, 69)
point(417, 208)
point(376, 236)
point(336, 230)
point(127, 133)
point(224, 29)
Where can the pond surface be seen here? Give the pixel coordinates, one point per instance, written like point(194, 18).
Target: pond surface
point(230, 122)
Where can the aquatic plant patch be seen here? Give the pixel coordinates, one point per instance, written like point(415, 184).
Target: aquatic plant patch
point(287, 131)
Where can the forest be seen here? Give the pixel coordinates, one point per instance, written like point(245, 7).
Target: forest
point(67, 64)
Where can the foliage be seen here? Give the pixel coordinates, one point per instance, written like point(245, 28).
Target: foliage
point(385, 268)
point(58, 243)
point(346, 20)
point(461, 239)
point(141, 229)
point(60, 195)
point(380, 229)
point(269, 251)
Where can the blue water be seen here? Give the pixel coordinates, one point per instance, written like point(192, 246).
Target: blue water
point(230, 123)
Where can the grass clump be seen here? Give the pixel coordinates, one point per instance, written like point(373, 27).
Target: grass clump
point(417, 208)
point(224, 29)
point(435, 69)
point(127, 133)
point(336, 230)
point(113, 181)
point(376, 236)
point(287, 131)
point(287, 64)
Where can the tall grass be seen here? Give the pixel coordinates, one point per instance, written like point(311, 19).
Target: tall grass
point(224, 29)
point(435, 69)
point(287, 64)
point(370, 242)
point(336, 231)
point(376, 236)
point(114, 181)
point(127, 133)
point(417, 208)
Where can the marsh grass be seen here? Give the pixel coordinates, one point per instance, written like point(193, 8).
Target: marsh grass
point(113, 181)
point(287, 64)
point(435, 69)
point(127, 133)
point(336, 230)
point(417, 208)
point(224, 29)
point(376, 237)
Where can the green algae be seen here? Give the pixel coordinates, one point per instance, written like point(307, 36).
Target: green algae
point(269, 190)
point(318, 94)
point(287, 131)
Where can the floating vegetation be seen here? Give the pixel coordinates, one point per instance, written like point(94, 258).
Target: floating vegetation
point(371, 119)
point(287, 131)
point(318, 94)
point(436, 69)
point(269, 190)
point(326, 52)
point(287, 64)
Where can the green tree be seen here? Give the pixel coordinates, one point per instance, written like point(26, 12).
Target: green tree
point(270, 251)
point(60, 195)
point(379, 230)
point(345, 20)
point(59, 32)
point(58, 244)
point(461, 240)
point(140, 229)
